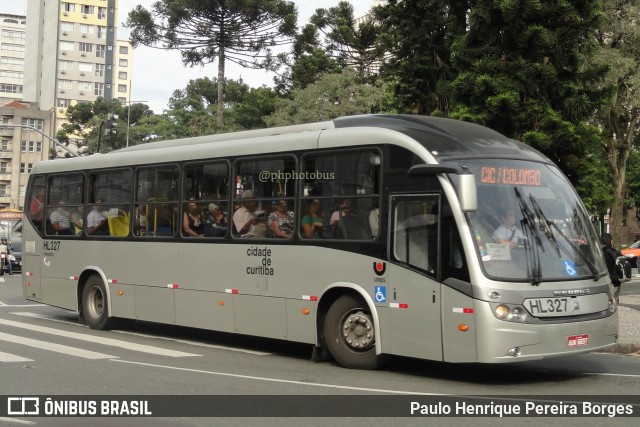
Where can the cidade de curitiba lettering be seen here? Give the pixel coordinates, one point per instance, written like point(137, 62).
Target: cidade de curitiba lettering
point(262, 265)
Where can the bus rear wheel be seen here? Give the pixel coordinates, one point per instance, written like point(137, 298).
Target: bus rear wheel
point(349, 334)
point(94, 304)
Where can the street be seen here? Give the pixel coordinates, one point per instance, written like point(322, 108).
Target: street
point(44, 351)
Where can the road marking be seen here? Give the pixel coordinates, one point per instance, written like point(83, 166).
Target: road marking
point(99, 340)
point(57, 348)
point(21, 305)
point(196, 343)
point(139, 334)
point(277, 380)
point(16, 421)
point(8, 357)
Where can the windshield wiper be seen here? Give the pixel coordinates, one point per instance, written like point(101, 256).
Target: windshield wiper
point(529, 221)
point(548, 225)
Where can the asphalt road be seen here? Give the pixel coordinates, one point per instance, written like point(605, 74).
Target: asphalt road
point(45, 352)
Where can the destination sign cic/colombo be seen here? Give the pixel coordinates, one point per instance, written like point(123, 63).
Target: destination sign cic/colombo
point(509, 176)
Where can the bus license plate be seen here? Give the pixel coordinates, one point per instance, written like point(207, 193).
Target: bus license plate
point(578, 340)
point(549, 307)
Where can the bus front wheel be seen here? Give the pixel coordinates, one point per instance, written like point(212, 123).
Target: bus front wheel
point(94, 304)
point(349, 334)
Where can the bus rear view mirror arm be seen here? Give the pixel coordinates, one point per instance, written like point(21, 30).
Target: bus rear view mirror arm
point(466, 185)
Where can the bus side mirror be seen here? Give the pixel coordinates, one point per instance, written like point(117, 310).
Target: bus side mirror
point(466, 185)
point(467, 193)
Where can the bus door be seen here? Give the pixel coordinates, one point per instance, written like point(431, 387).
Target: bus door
point(413, 291)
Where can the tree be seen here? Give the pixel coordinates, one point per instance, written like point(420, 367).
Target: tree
point(193, 109)
point(523, 70)
point(619, 42)
point(241, 31)
point(417, 36)
point(333, 95)
point(87, 120)
point(351, 43)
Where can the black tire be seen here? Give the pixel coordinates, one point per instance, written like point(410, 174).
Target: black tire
point(95, 302)
point(349, 334)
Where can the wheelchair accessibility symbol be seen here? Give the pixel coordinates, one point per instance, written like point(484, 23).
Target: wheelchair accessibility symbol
point(381, 293)
point(570, 268)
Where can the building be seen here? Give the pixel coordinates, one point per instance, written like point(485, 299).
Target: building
point(12, 48)
point(20, 148)
point(74, 55)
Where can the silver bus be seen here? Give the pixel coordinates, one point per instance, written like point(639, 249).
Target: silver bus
point(364, 236)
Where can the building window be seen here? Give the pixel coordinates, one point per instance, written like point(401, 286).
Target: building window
point(4, 190)
point(67, 26)
point(101, 32)
point(124, 50)
point(69, 7)
point(123, 62)
point(99, 89)
point(12, 47)
point(122, 75)
point(64, 45)
point(65, 84)
point(65, 65)
point(122, 88)
point(87, 10)
point(12, 74)
point(122, 100)
point(86, 29)
point(4, 167)
point(99, 70)
point(34, 123)
point(8, 88)
point(4, 146)
point(25, 167)
point(100, 51)
point(86, 47)
point(5, 60)
point(13, 34)
point(84, 86)
point(102, 13)
point(85, 67)
point(64, 103)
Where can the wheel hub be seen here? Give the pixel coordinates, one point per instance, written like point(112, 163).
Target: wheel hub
point(357, 331)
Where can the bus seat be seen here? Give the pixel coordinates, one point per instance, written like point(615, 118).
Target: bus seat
point(353, 228)
point(119, 224)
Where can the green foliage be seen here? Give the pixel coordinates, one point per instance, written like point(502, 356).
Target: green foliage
point(333, 95)
point(240, 31)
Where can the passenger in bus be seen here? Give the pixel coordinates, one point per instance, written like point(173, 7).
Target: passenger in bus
point(343, 210)
point(77, 219)
point(313, 223)
point(280, 222)
point(60, 220)
point(374, 223)
point(97, 224)
point(36, 207)
point(244, 219)
point(215, 222)
point(508, 233)
point(192, 224)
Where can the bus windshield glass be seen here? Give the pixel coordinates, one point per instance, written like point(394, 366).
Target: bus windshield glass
point(530, 224)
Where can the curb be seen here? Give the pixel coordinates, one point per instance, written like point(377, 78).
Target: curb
point(628, 348)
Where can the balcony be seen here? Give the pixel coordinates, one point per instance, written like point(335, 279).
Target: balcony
point(6, 154)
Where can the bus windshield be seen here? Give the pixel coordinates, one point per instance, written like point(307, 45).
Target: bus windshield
point(530, 224)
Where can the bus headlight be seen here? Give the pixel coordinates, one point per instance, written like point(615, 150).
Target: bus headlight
point(501, 312)
point(514, 313)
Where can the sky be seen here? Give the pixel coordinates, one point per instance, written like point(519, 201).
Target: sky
point(157, 73)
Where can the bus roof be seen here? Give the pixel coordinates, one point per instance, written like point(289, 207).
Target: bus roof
point(443, 139)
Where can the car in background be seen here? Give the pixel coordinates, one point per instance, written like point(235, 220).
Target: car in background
point(632, 253)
